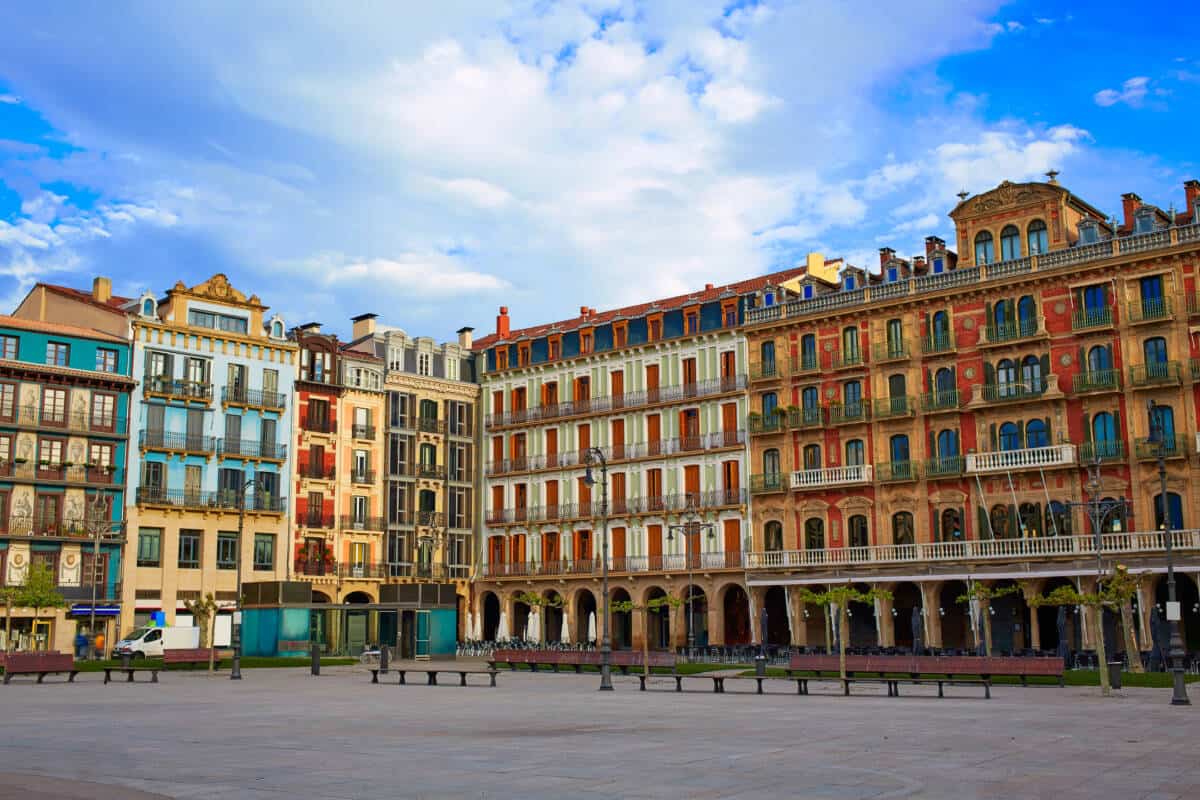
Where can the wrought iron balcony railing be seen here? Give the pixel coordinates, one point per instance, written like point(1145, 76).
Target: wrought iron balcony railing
point(256, 398)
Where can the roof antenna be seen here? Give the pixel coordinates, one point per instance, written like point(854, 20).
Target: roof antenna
point(1053, 176)
point(963, 195)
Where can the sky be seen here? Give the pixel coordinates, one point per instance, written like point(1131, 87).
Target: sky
point(431, 162)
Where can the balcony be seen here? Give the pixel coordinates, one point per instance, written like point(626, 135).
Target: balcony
point(1161, 373)
point(804, 363)
point(764, 371)
point(1150, 310)
point(618, 506)
point(433, 472)
point(351, 522)
point(362, 431)
point(677, 562)
point(424, 424)
point(1097, 380)
point(190, 391)
point(1085, 319)
point(887, 407)
point(317, 472)
point(37, 525)
point(1015, 331)
point(315, 520)
point(771, 422)
point(809, 417)
point(1171, 447)
point(35, 417)
point(899, 472)
point(1028, 549)
point(249, 448)
point(847, 413)
point(767, 482)
point(363, 476)
point(1060, 455)
point(363, 571)
point(945, 400)
point(315, 568)
point(222, 500)
point(177, 442)
point(1104, 452)
point(831, 476)
point(891, 351)
point(937, 343)
point(847, 359)
point(431, 519)
point(944, 467)
point(253, 398)
point(1012, 391)
point(318, 424)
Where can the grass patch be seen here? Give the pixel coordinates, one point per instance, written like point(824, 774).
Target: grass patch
point(248, 662)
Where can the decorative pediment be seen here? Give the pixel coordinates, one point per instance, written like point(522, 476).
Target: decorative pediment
point(854, 503)
point(218, 288)
point(948, 497)
point(1006, 196)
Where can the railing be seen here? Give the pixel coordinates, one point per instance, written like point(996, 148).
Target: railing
point(620, 452)
point(891, 351)
point(363, 570)
point(676, 562)
point(763, 370)
point(831, 476)
point(362, 476)
point(164, 440)
point(83, 422)
point(768, 423)
point(1150, 310)
point(999, 333)
point(317, 472)
point(179, 390)
point(315, 520)
point(351, 522)
point(74, 473)
point(1132, 543)
point(944, 466)
point(629, 400)
point(258, 398)
point(893, 407)
point(945, 400)
point(618, 506)
point(937, 343)
point(315, 568)
point(846, 360)
point(805, 362)
point(431, 472)
point(1155, 373)
point(1014, 390)
point(318, 424)
point(427, 425)
point(36, 525)
point(768, 482)
point(1085, 318)
point(1098, 380)
point(1171, 447)
point(362, 431)
point(249, 448)
point(807, 417)
point(1090, 452)
point(223, 500)
point(897, 471)
point(1059, 455)
point(431, 519)
point(843, 413)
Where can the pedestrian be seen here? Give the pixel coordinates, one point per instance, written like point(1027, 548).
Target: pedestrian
point(81, 643)
point(98, 643)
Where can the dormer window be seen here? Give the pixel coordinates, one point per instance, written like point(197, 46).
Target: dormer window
point(808, 291)
point(276, 330)
point(849, 283)
point(502, 358)
point(769, 299)
point(691, 322)
point(939, 266)
point(523, 354)
point(654, 328)
point(892, 274)
point(1143, 220)
point(729, 313)
point(620, 334)
point(1089, 231)
point(147, 307)
point(554, 348)
point(585, 342)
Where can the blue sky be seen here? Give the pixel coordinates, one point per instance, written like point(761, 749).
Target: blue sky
point(432, 166)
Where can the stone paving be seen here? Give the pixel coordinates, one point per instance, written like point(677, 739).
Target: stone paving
point(283, 733)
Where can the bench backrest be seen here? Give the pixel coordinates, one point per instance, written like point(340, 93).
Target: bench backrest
point(620, 658)
point(39, 662)
point(184, 654)
point(932, 665)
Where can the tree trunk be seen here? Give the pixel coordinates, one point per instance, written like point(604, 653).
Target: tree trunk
point(646, 645)
point(1131, 642)
point(842, 620)
point(211, 625)
point(986, 608)
point(1101, 655)
point(825, 612)
point(8, 625)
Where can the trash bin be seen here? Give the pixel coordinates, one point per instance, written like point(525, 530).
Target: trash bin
point(1114, 674)
point(760, 665)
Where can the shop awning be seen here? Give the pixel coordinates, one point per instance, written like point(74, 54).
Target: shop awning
point(102, 610)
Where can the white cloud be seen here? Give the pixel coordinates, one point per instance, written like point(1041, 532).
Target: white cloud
point(9, 99)
point(423, 274)
point(1132, 93)
point(475, 191)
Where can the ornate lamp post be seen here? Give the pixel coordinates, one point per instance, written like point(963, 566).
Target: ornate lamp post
point(1179, 695)
point(235, 672)
point(591, 456)
point(687, 529)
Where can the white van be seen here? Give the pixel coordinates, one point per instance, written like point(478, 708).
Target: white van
point(150, 642)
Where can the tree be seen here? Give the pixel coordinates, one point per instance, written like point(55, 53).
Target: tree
point(809, 597)
point(840, 597)
point(39, 590)
point(204, 614)
point(1115, 594)
point(628, 607)
point(984, 595)
point(534, 600)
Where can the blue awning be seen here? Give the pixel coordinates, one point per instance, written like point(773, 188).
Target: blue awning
point(106, 610)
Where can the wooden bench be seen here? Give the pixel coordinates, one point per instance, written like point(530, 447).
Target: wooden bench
point(108, 671)
point(40, 664)
point(915, 667)
point(801, 681)
point(192, 656)
point(718, 681)
point(432, 673)
point(622, 660)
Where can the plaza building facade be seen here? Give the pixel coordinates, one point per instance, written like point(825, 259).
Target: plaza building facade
point(660, 390)
point(64, 412)
point(940, 421)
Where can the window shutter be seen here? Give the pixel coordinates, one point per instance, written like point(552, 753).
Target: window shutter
point(1020, 435)
point(933, 444)
point(1045, 369)
point(1014, 522)
point(1117, 425)
point(989, 320)
point(1049, 431)
point(992, 433)
point(989, 374)
point(984, 525)
point(928, 380)
point(1082, 361)
point(1087, 428)
point(937, 519)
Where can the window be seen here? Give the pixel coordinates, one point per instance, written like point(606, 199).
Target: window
point(654, 329)
point(808, 351)
point(773, 537)
point(770, 401)
point(939, 266)
point(8, 347)
point(106, 360)
point(947, 443)
point(227, 550)
point(857, 528)
point(554, 348)
point(809, 401)
point(1104, 436)
point(1155, 351)
point(197, 371)
point(1031, 375)
point(58, 354)
point(148, 307)
point(501, 359)
point(1037, 434)
point(189, 549)
point(104, 412)
point(1058, 519)
point(1175, 509)
point(852, 398)
point(812, 456)
point(850, 344)
point(585, 342)
point(277, 330)
point(1003, 525)
point(1010, 436)
point(893, 275)
point(814, 534)
point(54, 406)
point(902, 528)
point(898, 448)
point(358, 508)
point(425, 363)
point(691, 322)
point(1153, 303)
point(1099, 358)
point(849, 283)
point(149, 545)
point(940, 328)
point(1162, 426)
point(771, 462)
point(1037, 237)
point(1143, 220)
point(729, 315)
point(854, 453)
point(8, 401)
point(523, 351)
point(221, 322)
point(985, 251)
point(152, 479)
point(951, 525)
point(943, 381)
point(1027, 315)
point(50, 452)
point(767, 358)
point(1010, 243)
point(808, 292)
point(1006, 378)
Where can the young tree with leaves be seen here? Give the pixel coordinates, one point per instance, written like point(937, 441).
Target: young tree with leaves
point(841, 597)
point(984, 595)
point(39, 590)
point(204, 614)
point(628, 607)
point(818, 599)
point(534, 600)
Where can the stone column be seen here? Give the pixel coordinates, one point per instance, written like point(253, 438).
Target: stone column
point(1031, 589)
point(799, 627)
point(933, 620)
point(887, 623)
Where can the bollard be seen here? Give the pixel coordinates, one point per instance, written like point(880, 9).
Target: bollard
point(314, 652)
point(383, 659)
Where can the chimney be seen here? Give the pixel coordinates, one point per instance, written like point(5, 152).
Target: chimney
point(1191, 190)
point(502, 323)
point(708, 287)
point(918, 262)
point(933, 244)
point(1130, 203)
point(464, 337)
point(886, 254)
point(583, 311)
point(101, 290)
point(364, 325)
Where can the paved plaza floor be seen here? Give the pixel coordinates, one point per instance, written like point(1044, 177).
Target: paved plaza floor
point(283, 733)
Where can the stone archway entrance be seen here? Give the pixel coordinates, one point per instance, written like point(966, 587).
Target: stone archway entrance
point(775, 602)
point(552, 616)
point(956, 628)
point(491, 616)
point(585, 608)
point(736, 606)
point(658, 622)
point(520, 623)
point(905, 600)
point(622, 623)
point(695, 616)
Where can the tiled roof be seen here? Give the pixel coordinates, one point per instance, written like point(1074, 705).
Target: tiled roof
point(70, 372)
point(58, 328)
point(115, 303)
point(630, 312)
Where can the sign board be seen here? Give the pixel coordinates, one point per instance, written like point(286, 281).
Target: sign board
point(1173, 614)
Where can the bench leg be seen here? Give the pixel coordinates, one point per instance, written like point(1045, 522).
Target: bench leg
point(432, 678)
point(987, 689)
point(402, 681)
point(154, 676)
point(641, 683)
point(462, 679)
point(1023, 682)
point(895, 688)
point(940, 692)
point(108, 676)
point(579, 669)
point(41, 675)
point(846, 688)
point(759, 680)
point(492, 675)
point(129, 675)
point(719, 685)
point(678, 683)
point(374, 676)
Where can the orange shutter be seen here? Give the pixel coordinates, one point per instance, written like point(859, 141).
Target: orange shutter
point(585, 436)
point(617, 545)
point(733, 542)
point(618, 439)
point(618, 382)
point(654, 541)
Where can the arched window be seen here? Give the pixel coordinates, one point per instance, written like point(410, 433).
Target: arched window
point(951, 526)
point(1162, 423)
point(1010, 243)
point(902, 528)
point(1026, 316)
point(898, 448)
point(814, 534)
point(1099, 358)
point(895, 338)
point(849, 283)
point(1006, 378)
point(770, 401)
point(808, 351)
point(941, 326)
point(1002, 527)
point(1036, 434)
point(857, 527)
point(277, 330)
point(1058, 519)
point(854, 452)
point(947, 443)
point(771, 462)
point(773, 537)
point(1031, 519)
point(810, 397)
point(1002, 315)
point(1010, 436)
point(1039, 242)
point(850, 344)
point(767, 358)
point(1115, 522)
point(1031, 375)
point(1174, 508)
point(943, 381)
point(812, 456)
point(148, 307)
point(985, 248)
point(897, 385)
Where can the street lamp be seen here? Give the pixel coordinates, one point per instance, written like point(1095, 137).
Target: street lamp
point(687, 528)
point(235, 673)
point(1174, 617)
point(591, 456)
point(100, 523)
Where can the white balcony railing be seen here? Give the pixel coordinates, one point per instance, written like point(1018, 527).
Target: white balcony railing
point(831, 476)
point(1132, 543)
point(1198, 441)
point(1059, 455)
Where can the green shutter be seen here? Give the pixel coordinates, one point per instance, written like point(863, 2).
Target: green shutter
point(992, 433)
point(984, 529)
point(1087, 428)
point(937, 519)
point(1014, 522)
point(1049, 431)
point(1046, 369)
point(1117, 424)
point(989, 374)
point(1082, 361)
point(932, 444)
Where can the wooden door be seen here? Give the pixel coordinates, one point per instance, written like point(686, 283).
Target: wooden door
point(689, 376)
point(617, 379)
point(584, 492)
point(654, 546)
point(730, 482)
point(654, 489)
point(520, 500)
point(733, 543)
point(689, 429)
point(691, 484)
point(653, 434)
point(728, 368)
point(617, 480)
point(729, 424)
point(617, 548)
point(498, 403)
point(497, 450)
point(497, 502)
point(551, 499)
point(550, 548)
point(584, 435)
point(496, 550)
point(652, 383)
point(583, 548)
point(617, 439)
